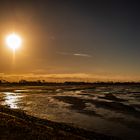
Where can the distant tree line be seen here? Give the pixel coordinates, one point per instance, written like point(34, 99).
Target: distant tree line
point(43, 82)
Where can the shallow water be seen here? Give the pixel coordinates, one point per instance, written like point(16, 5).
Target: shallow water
point(112, 110)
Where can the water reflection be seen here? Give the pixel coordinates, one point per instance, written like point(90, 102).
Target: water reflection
point(11, 99)
point(108, 110)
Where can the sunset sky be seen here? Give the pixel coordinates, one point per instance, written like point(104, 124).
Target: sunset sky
point(71, 39)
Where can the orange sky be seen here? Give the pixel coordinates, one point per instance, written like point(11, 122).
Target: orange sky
point(69, 77)
point(71, 40)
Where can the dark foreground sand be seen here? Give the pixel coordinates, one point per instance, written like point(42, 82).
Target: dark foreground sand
point(16, 125)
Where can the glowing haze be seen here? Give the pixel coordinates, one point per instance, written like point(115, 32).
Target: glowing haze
point(70, 40)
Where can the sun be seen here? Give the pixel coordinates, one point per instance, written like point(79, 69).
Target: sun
point(13, 41)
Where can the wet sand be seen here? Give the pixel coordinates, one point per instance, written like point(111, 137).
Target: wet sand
point(15, 125)
point(109, 110)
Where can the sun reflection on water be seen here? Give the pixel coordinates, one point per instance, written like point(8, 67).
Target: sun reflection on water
point(11, 99)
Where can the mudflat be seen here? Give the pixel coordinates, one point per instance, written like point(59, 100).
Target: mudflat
point(17, 125)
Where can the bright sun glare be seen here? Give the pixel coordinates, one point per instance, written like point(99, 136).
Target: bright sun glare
point(13, 41)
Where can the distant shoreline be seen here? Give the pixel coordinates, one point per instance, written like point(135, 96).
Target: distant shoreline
point(44, 83)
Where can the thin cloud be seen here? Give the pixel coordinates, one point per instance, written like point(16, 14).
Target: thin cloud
point(75, 54)
point(82, 55)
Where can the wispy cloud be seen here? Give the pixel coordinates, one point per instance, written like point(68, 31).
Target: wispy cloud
point(75, 54)
point(82, 55)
